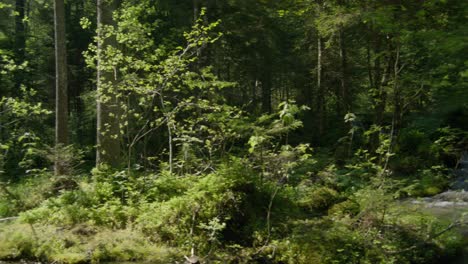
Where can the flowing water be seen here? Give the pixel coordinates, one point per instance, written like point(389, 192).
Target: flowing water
point(452, 205)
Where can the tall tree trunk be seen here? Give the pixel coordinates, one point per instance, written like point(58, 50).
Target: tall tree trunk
point(320, 89)
point(108, 130)
point(398, 112)
point(345, 92)
point(61, 89)
point(196, 10)
point(380, 75)
point(20, 39)
point(266, 89)
point(376, 80)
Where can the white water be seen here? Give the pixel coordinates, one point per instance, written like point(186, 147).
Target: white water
point(452, 205)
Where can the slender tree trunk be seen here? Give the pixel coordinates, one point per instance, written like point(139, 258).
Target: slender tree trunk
point(256, 87)
point(345, 93)
point(20, 39)
point(320, 102)
point(398, 112)
point(377, 82)
point(266, 90)
point(320, 89)
point(377, 85)
point(108, 114)
point(61, 89)
point(196, 10)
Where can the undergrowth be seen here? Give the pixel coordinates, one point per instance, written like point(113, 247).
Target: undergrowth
point(232, 215)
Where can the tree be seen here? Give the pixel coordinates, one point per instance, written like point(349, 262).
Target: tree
point(108, 131)
point(20, 38)
point(61, 100)
point(345, 91)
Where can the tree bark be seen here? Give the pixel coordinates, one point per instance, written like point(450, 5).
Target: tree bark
point(320, 89)
point(377, 82)
point(20, 37)
point(108, 130)
point(61, 89)
point(345, 93)
point(398, 112)
point(20, 40)
point(196, 10)
point(320, 103)
point(266, 90)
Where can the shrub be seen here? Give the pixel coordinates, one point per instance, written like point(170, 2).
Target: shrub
point(197, 216)
point(25, 194)
point(429, 182)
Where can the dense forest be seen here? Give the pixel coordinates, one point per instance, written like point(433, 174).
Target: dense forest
point(235, 131)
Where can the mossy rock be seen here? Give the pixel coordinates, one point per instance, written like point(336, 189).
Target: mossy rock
point(432, 190)
point(347, 207)
point(318, 199)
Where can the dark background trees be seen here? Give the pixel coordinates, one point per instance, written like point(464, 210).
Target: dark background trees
point(395, 65)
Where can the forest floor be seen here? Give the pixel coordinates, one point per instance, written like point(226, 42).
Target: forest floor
point(234, 215)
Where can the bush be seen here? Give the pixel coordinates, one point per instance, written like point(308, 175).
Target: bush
point(199, 215)
point(429, 182)
point(25, 194)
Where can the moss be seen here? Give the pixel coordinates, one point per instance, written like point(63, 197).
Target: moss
point(16, 241)
point(432, 190)
point(348, 207)
point(54, 244)
point(318, 199)
point(70, 257)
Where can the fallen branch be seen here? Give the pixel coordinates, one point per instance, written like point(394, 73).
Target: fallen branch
point(9, 218)
point(422, 243)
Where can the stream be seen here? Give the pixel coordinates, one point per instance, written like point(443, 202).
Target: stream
point(451, 205)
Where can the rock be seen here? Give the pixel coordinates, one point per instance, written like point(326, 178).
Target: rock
point(192, 260)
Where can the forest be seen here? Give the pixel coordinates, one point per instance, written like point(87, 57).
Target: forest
point(235, 131)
